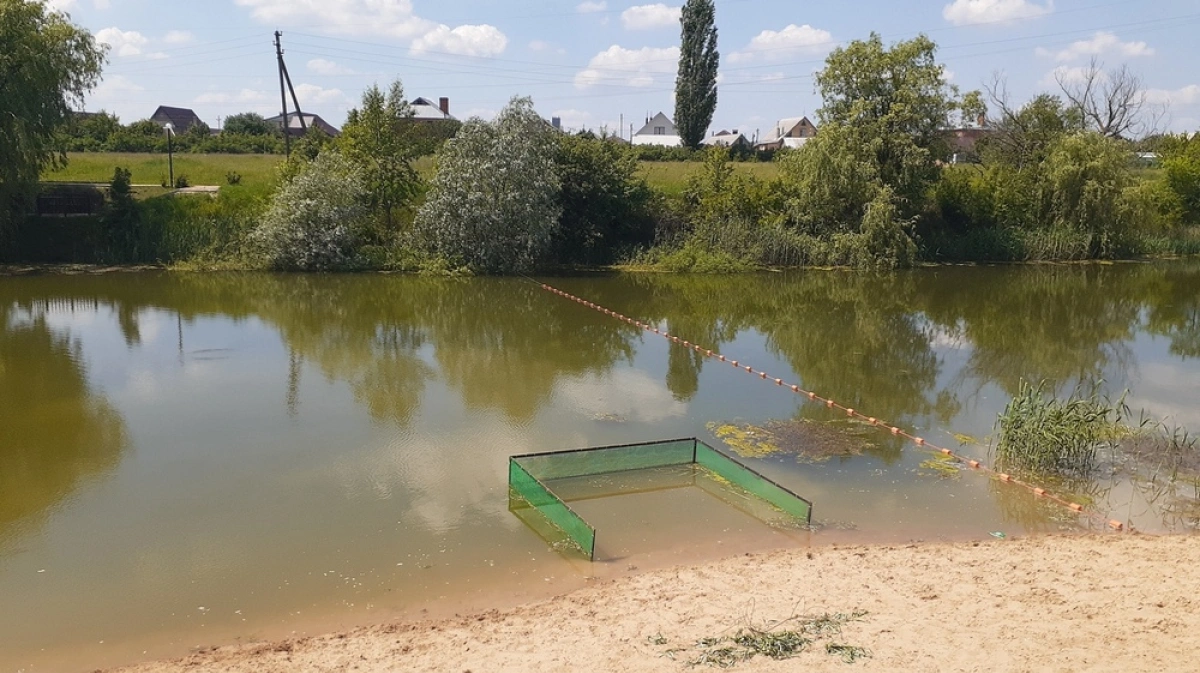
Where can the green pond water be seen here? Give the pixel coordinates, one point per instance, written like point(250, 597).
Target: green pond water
point(197, 459)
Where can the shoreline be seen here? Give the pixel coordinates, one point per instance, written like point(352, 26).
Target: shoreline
point(1114, 602)
point(16, 269)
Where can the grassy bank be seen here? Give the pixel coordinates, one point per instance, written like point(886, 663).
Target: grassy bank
point(151, 169)
point(211, 169)
point(670, 177)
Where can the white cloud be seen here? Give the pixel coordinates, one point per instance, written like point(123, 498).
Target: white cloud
point(178, 37)
point(243, 96)
point(1070, 75)
point(115, 88)
point(124, 43)
point(310, 94)
point(322, 67)
point(1102, 43)
point(629, 67)
point(1188, 95)
point(157, 55)
point(648, 17)
point(61, 5)
point(543, 46)
point(966, 12)
point(481, 40)
point(102, 4)
point(394, 18)
point(589, 7)
point(790, 41)
point(484, 113)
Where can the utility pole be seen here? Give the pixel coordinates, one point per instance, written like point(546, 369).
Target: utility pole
point(287, 138)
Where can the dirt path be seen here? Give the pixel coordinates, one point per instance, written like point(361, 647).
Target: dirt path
point(1105, 603)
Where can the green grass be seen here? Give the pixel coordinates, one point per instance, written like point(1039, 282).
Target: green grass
point(671, 177)
point(151, 169)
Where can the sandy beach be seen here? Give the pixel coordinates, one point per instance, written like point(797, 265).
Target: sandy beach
point(1094, 603)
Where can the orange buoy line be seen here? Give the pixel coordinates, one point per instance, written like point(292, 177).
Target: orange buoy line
point(853, 413)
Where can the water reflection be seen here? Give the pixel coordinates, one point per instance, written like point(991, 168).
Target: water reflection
point(1061, 324)
point(56, 432)
point(373, 415)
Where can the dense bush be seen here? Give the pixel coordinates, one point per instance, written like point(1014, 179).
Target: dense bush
point(314, 219)
point(606, 209)
point(494, 204)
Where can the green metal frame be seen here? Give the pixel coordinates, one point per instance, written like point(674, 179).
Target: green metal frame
point(528, 474)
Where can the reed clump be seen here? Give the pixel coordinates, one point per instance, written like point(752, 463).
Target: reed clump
point(1041, 433)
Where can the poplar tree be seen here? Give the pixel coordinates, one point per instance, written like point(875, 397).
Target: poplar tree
point(696, 84)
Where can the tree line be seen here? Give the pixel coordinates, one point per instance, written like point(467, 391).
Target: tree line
point(1054, 179)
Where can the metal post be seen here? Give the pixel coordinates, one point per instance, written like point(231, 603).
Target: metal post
point(170, 157)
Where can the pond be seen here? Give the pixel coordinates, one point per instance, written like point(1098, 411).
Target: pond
point(199, 459)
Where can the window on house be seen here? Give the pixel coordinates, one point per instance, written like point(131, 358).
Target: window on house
point(660, 130)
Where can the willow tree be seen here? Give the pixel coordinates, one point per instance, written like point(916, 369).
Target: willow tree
point(696, 84)
point(47, 64)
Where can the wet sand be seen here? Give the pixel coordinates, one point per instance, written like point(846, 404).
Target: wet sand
point(1093, 603)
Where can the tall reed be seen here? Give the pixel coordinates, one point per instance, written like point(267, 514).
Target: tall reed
point(1039, 432)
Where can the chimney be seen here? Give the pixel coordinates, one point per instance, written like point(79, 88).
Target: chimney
point(444, 105)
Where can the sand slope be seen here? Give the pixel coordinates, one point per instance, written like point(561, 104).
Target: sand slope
point(1104, 603)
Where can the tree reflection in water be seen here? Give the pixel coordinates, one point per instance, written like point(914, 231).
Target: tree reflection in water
point(56, 433)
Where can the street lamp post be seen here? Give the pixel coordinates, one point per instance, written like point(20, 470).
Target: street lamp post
point(170, 129)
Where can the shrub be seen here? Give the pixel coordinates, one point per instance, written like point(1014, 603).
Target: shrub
point(181, 181)
point(605, 203)
point(494, 205)
point(312, 221)
point(233, 178)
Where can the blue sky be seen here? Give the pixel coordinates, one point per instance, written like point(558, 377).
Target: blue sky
point(592, 62)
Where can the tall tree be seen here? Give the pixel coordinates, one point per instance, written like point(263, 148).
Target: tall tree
point(696, 84)
point(378, 137)
point(47, 64)
point(1112, 103)
point(250, 124)
point(494, 204)
point(893, 105)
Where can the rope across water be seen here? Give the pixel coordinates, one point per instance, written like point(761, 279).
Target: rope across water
point(853, 413)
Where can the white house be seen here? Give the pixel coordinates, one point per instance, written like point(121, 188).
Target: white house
point(659, 130)
point(725, 138)
point(792, 132)
point(425, 111)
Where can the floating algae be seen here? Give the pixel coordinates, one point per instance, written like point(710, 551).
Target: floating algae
point(809, 441)
point(941, 466)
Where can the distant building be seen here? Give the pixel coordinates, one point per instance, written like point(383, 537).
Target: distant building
point(791, 133)
point(659, 130)
point(294, 128)
point(962, 141)
point(426, 111)
point(180, 118)
point(725, 138)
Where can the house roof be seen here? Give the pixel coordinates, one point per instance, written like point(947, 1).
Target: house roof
point(180, 117)
point(725, 138)
point(425, 110)
point(659, 119)
point(310, 120)
point(785, 126)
